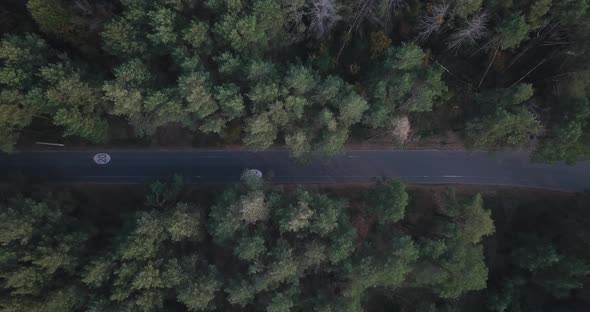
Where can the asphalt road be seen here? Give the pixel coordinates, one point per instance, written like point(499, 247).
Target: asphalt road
point(139, 166)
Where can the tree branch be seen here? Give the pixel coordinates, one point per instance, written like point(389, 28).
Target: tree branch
point(530, 71)
point(490, 65)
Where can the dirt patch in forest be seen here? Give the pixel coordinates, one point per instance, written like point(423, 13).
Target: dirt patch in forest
point(378, 140)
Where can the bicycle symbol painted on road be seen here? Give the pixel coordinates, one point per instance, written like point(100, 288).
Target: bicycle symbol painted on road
point(102, 158)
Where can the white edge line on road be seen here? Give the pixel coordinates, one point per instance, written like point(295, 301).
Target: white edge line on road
point(378, 176)
point(443, 176)
point(123, 177)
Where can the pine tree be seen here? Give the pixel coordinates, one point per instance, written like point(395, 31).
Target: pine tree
point(403, 85)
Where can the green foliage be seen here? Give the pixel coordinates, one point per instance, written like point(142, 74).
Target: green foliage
point(52, 16)
point(537, 13)
point(240, 294)
point(538, 267)
point(134, 95)
point(165, 192)
point(261, 132)
point(298, 143)
point(404, 84)
point(253, 31)
point(162, 22)
point(198, 292)
point(465, 8)
point(303, 232)
point(458, 268)
point(566, 140)
point(195, 88)
point(253, 207)
point(228, 64)
point(250, 248)
point(477, 221)
point(265, 68)
point(121, 38)
point(21, 57)
point(41, 247)
point(77, 104)
point(141, 272)
point(192, 100)
point(148, 28)
point(552, 270)
point(265, 71)
point(36, 87)
point(467, 271)
point(387, 201)
point(508, 123)
point(224, 218)
point(197, 34)
point(280, 303)
point(501, 300)
point(300, 80)
point(14, 115)
point(388, 271)
point(157, 258)
point(472, 220)
point(513, 31)
point(230, 101)
point(131, 100)
point(456, 263)
point(291, 107)
point(571, 11)
point(504, 129)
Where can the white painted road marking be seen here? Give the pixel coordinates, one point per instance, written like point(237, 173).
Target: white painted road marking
point(102, 158)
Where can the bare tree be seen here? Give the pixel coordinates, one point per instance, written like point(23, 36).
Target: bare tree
point(293, 11)
point(475, 29)
point(323, 15)
point(400, 129)
point(376, 10)
point(427, 25)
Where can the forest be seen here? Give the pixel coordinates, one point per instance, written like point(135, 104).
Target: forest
point(308, 75)
point(256, 246)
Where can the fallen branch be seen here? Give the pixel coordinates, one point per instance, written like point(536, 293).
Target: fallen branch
point(490, 65)
point(451, 73)
point(530, 71)
point(357, 18)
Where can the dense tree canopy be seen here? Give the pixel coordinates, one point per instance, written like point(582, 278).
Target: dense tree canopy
point(314, 114)
point(255, 247)
point(404, 84)
point(42, 248)
point(37, 82)
point(259, 247)
point(311, 75)
point(547, 263)
point(455, 262)
point(507, 121)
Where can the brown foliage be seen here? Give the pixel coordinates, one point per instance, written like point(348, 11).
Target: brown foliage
point(362, 225)
point(380, 42)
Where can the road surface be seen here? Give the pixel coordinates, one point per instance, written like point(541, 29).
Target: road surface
point(140, 166)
